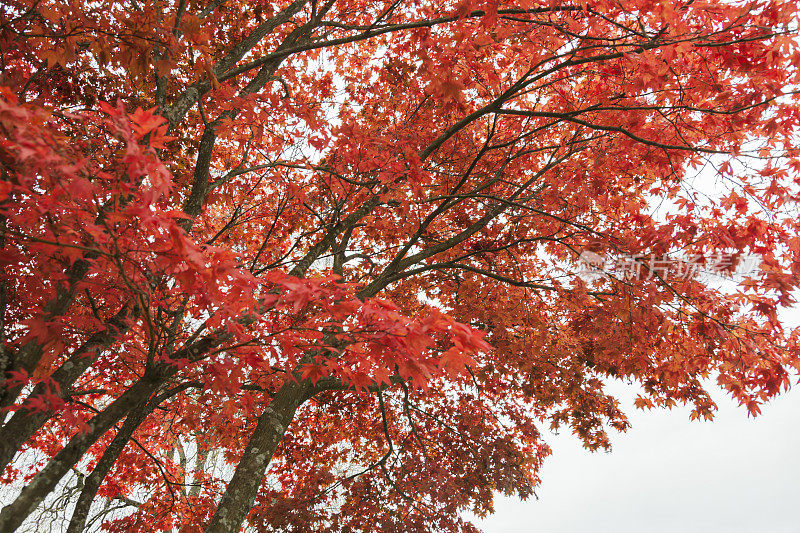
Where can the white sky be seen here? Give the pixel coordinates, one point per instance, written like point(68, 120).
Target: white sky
point(667, 474)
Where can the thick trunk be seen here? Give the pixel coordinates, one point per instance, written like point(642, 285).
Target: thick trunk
point(26, 421)
point(45, 481)
point(110, 456)
point(28, 356)
point(243, 487)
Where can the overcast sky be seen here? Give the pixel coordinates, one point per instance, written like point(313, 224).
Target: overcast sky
point(667, 474)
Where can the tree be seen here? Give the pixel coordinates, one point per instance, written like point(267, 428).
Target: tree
point(315, 265)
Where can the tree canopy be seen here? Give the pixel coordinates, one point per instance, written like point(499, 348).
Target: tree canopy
point(322, 265)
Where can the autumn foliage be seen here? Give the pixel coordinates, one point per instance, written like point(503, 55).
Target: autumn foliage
point(315, 266)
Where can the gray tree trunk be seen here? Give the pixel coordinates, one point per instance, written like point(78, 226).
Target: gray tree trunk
point(243, 487)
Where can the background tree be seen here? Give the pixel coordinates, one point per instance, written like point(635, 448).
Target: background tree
point(313, 265)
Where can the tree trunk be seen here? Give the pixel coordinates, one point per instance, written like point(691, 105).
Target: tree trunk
point(243, 487)
point(45, 481)
point(28, 356)
point(111, 454)
point(25, 422)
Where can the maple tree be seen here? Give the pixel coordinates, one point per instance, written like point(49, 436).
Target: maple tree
point(312, 265)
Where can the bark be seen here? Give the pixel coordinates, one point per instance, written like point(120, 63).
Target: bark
point(200, 184)
point(45, 481)
point(243, 487)
point(111, 454)
point(26, 422)
point(29, 355)
point(175, 112)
